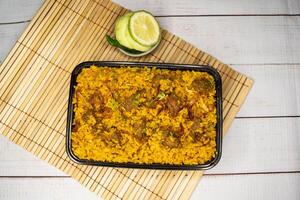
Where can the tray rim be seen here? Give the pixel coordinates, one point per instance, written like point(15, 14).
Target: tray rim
point(170, 66)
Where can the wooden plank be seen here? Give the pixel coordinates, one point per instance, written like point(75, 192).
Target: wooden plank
point(43, 188)
point(276, 91)
point(241, 40)
point(252, 145)
point(204, 7)
point(19, 10)
point(30, 107)
point(17, 162)
point(236, 40)
point(260, 145)
point(249, 187)
point(277, 143)
point(9, 34)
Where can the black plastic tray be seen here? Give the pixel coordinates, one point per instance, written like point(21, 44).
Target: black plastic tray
point(169, 66)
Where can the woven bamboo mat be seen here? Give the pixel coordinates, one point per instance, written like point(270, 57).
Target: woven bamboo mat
point(34, 92)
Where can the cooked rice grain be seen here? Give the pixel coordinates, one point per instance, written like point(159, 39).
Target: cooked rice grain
point(144, 115)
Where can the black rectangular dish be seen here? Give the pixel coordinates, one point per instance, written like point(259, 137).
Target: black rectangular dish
point(169, 66)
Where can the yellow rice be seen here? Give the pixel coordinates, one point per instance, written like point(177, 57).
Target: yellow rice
point(127, 114)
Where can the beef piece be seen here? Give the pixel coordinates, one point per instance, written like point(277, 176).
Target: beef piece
point(202, 85)
point(173, 105)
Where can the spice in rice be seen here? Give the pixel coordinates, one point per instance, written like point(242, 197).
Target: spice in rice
point(144, 115)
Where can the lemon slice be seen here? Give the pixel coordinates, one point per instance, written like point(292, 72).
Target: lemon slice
point(144, 28)
point(123, 35)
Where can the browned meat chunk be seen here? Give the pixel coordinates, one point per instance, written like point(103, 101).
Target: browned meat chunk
point(202, 85)
point(141, 136)
point(128, 103)
point(173, 105)
point(190, 112)
point(196, 132)
point(96, 101)
point(134, 100)
point(197, 136)
point(87, 114)
point(171, 138)
point(116, 136)
point(196, 125)
point(140, 131)
point(107, 112)
point(157, 78)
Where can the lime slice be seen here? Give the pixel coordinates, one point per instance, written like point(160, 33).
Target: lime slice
point(144, 28)
point(123, 36)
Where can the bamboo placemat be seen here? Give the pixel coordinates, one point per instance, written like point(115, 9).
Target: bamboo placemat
point(34, 92)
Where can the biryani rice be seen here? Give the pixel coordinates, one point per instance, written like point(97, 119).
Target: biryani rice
point(144, 115)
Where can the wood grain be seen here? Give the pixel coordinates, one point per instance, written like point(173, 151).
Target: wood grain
point(203, 7)
point(269, 105)
point(18, 10)
point(45, 188)
point(236, 40)
point(34, 93)
point(249, 187)
point(242, 40)
point(9, 35)
point(261, 145)
point(276, 92)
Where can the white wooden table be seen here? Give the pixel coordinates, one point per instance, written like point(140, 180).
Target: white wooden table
point(261, 154)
